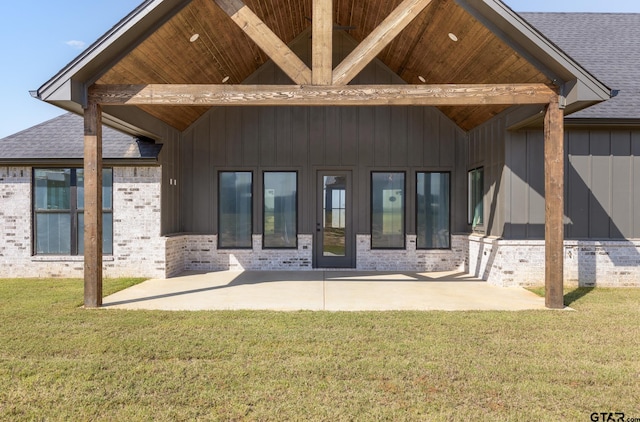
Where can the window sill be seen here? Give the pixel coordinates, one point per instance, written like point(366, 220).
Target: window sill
point(66, 258)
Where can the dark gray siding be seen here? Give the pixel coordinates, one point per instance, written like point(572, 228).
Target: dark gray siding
point(602, 178)
point(486, 148)
point(307, 139)
point(362, 139)
point(170, 161)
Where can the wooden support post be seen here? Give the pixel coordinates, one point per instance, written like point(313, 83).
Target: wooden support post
point(554, 204)
point(93, 205)
point(322, 64)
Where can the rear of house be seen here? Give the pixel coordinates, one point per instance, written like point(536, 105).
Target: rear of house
point(384, 187)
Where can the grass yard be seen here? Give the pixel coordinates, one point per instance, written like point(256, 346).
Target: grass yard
point(60, 362)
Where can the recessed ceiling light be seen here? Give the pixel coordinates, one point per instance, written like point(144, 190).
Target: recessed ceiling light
point(194, 38)
point(225, 79)
point(453, 37)
point(422, 79)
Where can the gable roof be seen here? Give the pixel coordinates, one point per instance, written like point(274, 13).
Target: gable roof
point(62, 138)
point(606, 44)
point(152, 45)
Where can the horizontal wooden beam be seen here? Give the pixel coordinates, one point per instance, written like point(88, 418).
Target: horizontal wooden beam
point(352, 95)
point(267, 40)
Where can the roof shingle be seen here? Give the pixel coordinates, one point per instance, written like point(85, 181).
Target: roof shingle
point(608, 46)
point(63, 138)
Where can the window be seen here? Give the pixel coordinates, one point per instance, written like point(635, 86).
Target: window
point(59, 211)
point(476, 196)
point(432, 205)
point(387, 210)
point(234, 209)
point(280, 210)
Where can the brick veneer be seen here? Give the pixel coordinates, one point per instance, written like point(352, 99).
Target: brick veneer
point(200, 253)
point(586, 263)
point(138, 248)
point(410, 258)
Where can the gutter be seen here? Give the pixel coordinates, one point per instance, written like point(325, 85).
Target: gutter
point(77, 162)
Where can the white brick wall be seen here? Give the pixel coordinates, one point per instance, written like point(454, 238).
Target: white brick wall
point(586, 263)
point(138, 248)
point(200, 253)
point(140, 251)
point(411, 259)
point(15, 220)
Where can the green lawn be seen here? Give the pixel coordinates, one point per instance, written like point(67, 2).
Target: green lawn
point(60, 362)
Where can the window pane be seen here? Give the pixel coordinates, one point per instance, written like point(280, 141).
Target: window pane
point(476, 196)
point(280, 190)
point(53, 189)
point(107, 233)
point(53, 233)
point(234, 225)
point(433, 211)
point(334, 215)
point(107, 188)
point(387, 210)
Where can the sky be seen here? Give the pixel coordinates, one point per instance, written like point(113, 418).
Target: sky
point(40, 37)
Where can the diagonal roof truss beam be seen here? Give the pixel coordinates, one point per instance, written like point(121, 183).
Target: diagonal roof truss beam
point(267, 40)
point(377, 40)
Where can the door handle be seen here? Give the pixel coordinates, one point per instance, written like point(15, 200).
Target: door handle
point(318, 227)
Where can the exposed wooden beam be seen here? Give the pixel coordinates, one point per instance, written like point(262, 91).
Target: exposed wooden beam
point(353, 95)
point(267, 40)
point(93, 205)
point(554, 204)
point(377, 40)
point(322, 35)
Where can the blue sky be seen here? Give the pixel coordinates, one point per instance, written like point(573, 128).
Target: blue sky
point(39, 37)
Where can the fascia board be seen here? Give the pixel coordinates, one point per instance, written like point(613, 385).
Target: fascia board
point(130, 120)
point(533, 45)
point(107, 49)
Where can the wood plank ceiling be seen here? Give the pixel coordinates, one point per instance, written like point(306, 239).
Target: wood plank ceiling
point(224, 54)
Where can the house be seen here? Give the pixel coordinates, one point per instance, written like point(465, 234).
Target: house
point(421, 135)
point(42, 191)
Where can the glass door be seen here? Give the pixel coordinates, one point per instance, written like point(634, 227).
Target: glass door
point(334, 238)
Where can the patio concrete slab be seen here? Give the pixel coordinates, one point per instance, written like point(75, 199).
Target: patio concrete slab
point(322, 290)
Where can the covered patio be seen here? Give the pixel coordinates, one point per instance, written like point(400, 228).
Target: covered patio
point(170, 61)
point(323, 291)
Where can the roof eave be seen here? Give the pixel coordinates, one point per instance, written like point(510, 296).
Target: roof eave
point(577, 85)
point(108, 48)
point(59, 162)
point(67, 89)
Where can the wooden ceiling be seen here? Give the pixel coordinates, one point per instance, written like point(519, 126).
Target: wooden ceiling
point(422, 51)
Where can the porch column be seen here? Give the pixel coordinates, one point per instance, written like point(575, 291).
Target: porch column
point(93, 205)
point(554, 204)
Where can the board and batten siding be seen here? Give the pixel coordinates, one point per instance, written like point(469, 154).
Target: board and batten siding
point(486, 149)
point(602, 184)
point(170, 160)
point(306, 139)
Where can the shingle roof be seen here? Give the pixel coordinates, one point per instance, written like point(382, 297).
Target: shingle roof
point(63, 138)
point(608, 46)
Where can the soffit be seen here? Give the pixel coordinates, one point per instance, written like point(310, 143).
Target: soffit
point(422, 51)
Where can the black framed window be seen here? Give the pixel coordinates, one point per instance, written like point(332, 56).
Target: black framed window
point(476, 197)
point(433, 204)
point(387, 210)
point(59, 211)
point(280, 205)
point(235, 203)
